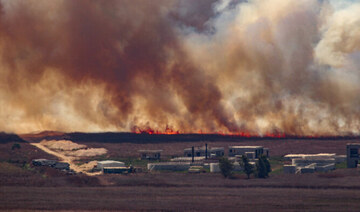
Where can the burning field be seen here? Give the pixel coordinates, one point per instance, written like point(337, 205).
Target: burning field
point(88, 80)
point(180, 66)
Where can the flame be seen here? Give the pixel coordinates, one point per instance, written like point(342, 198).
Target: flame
point(148, 130)
point(170, 131)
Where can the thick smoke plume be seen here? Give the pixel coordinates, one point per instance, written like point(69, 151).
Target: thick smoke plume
point(257, 66)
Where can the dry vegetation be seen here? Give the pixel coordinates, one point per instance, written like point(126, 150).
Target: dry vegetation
point(277, 147)
point(42, 188)
point(180, 199)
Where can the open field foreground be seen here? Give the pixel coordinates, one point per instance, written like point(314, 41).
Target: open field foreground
point(179, 198)
point(27, 187)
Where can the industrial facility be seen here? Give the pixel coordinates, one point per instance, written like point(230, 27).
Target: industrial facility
point(242, 150)
point(352, 155)
point(113, 167)
point(51, 163)
point(205, 151)
point(150, 154)
point(310, 163)
point(201, 158)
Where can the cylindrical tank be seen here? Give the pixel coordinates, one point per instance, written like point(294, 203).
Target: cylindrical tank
point(214, 167)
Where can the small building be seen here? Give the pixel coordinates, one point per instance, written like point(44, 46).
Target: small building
point(51, 163)
point(217, 151)
point(352, 154)
point(43, 162)
point(109, 164)
point(289, 157)
point(320, 156)
point(243, 150)
point(201, 152)
point(150, 154)
point(310, 163)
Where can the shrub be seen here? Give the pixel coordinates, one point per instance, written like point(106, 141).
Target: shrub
point(226, 167)
point(248, 168)
point(83, 180)
point(15, 146)
point(263, 167)
point(267, 164)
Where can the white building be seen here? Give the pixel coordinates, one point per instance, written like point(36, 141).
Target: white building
point(109, 163)
point(309, 163)
point(352, 152)
point(245, 150)
point(201, 151)
point(150, 154)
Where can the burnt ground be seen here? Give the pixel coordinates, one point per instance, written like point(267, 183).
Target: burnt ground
point(23, 187)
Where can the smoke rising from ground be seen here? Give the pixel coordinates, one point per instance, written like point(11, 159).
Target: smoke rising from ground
point(258, 66)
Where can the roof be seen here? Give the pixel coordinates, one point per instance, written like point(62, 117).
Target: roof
point(203, 148)
point(115, 168)
point(170, 163)
point(195, 148)
point(42, 159)
point(150, 151)
point(109, 162)
point(179, 159)
point(246, 147)
point(310, 155)
point(217, 148)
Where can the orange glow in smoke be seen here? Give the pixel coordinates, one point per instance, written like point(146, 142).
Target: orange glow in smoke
point(150, 131)
point(170, 131)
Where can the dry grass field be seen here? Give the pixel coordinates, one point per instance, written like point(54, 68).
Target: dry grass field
point(179, 199)
point(126, 145)
point(277, 147)
point(24, 187)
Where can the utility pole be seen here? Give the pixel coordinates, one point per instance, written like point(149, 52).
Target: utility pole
point(192, 154)
point(206, 152)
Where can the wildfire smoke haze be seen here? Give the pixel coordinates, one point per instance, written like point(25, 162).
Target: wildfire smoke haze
point(257, 67)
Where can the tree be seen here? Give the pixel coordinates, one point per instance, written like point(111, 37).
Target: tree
point(15, 146)
point(267, 164)
point(226, 167)
point(248, 168)
point(263, 167)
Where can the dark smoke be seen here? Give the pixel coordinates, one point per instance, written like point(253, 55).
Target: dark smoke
point(215, 66)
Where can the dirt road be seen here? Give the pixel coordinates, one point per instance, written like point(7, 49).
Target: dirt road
point(66, 159)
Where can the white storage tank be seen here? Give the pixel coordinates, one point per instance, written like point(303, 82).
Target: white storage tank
point(214, 167)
